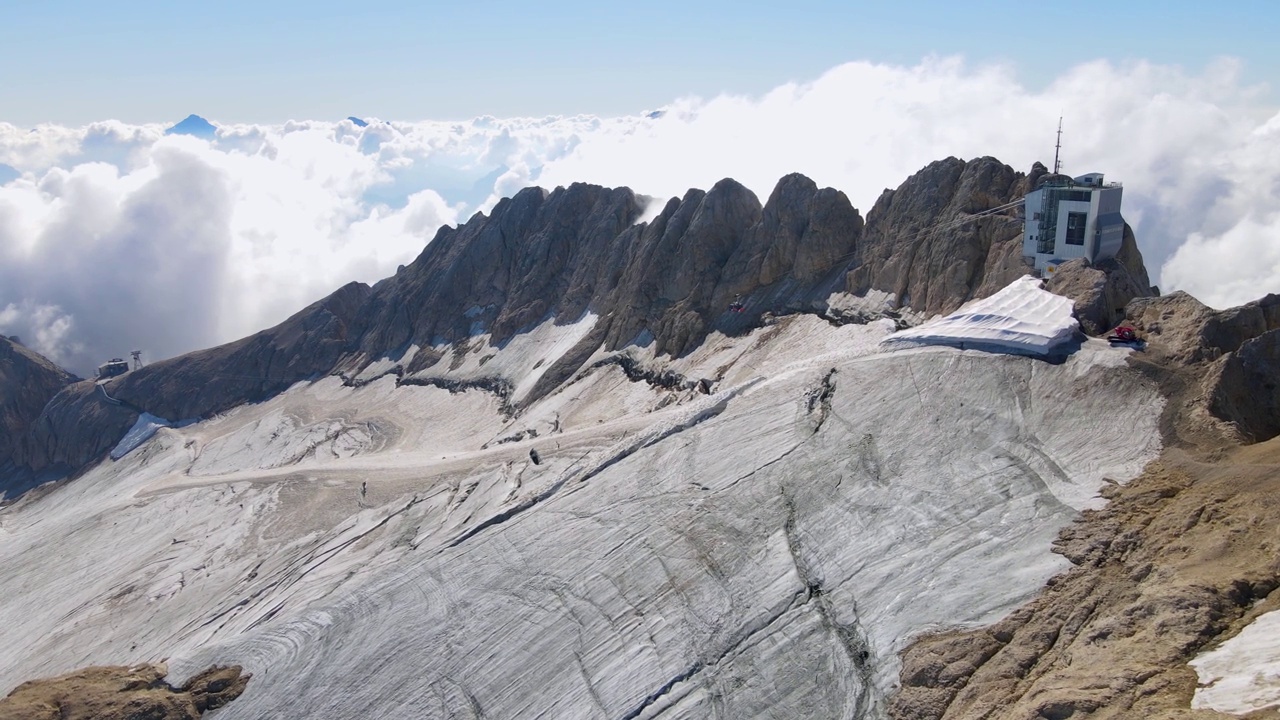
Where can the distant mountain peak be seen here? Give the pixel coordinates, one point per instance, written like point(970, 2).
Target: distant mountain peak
point(356, 121)
point(193, 125)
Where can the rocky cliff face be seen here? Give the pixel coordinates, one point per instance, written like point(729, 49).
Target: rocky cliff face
point(577, 250)
point(1103, 290)
point(28, 382)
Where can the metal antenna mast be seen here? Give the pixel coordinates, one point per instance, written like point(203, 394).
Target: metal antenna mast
point(1057, 148)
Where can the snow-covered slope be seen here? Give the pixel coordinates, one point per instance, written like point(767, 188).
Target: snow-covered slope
point(765, 550)
point(1021, 318)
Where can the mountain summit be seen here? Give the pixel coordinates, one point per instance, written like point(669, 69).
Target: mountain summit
point(570, 463)
point(193, 125)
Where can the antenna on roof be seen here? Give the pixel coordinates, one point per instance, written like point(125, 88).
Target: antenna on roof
point(137, 359)
point(1057, 148)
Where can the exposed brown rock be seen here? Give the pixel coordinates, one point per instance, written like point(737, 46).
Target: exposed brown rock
point(1181, 558)
point(123, 693)
point(1233, 356)
point(1190, 331)
point(1245, 387)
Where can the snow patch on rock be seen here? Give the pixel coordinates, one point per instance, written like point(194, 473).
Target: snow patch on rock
point(521, 360)
point(1242, 674)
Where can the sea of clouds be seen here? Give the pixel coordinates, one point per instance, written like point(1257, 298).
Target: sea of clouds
point(116, 237)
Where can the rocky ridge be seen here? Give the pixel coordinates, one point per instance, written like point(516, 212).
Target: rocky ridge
point(581, 250)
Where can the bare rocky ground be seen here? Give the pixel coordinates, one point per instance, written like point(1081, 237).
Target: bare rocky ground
point(1180, 560)
point(123, 693)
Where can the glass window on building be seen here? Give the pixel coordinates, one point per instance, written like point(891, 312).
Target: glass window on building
point(1075, 227)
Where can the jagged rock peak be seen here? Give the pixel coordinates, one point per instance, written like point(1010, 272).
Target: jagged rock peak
point(578, 249)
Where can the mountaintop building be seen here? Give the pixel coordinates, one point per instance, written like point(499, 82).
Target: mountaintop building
point(1072, 218)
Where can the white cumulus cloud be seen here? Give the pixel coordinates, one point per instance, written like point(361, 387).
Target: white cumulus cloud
point(116, 237)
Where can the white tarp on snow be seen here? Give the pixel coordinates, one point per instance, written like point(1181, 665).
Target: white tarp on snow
point(142, 430)
point(1022, 318)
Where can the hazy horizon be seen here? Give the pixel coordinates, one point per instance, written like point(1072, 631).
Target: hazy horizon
point(116, 236)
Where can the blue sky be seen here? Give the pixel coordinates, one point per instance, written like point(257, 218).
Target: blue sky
point(72, 62)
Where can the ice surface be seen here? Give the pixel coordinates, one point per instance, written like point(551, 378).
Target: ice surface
point(1022, 318)
point(1242, 674)
point(765, 550)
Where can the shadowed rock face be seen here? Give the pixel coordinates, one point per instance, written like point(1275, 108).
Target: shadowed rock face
point(575, 249)
point(563, 253)
point(27, 383)
point(1245, 389)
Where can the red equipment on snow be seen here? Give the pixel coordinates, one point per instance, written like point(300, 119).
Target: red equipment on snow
point(1123, 334)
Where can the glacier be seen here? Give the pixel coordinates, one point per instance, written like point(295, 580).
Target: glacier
point(380, 548)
